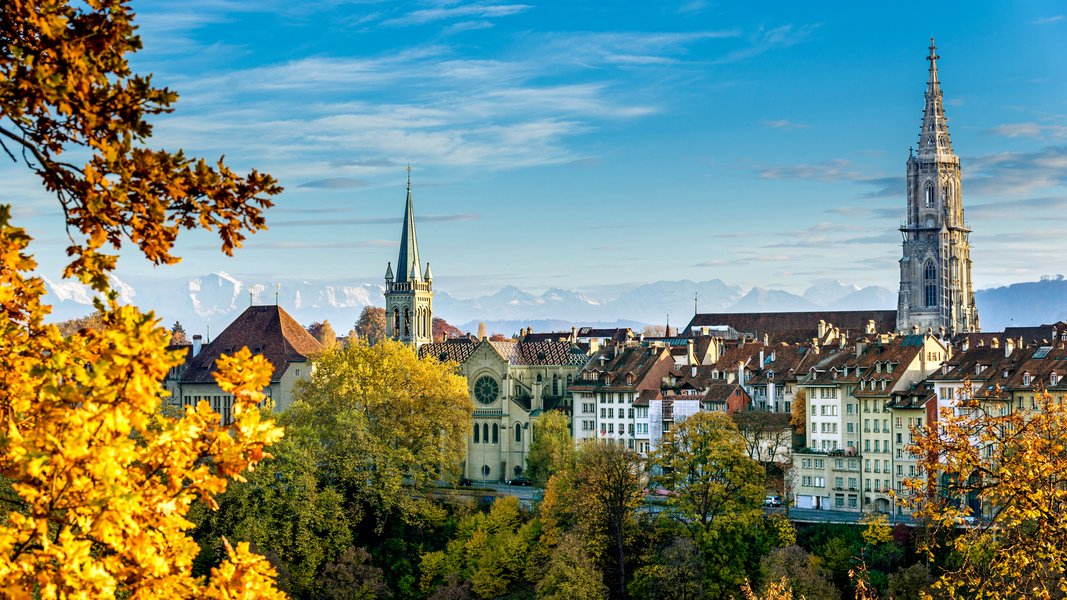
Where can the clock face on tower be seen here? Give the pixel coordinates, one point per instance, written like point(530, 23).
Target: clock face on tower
point(486, 389)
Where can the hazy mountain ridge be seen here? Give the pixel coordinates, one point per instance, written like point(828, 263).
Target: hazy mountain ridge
point(214, 300)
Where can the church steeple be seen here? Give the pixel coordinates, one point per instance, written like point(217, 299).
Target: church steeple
point(409, 297)
point(407, 264)
point(936, 291)
point(934, 142)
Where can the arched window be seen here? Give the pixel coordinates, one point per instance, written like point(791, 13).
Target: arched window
point(496, 434)
point(930, 271)
point(407, 322)
point(555, 385)
point(396, 322)
point(518, 433)
point(929, 195)
point(476, 440)
point(485, 433)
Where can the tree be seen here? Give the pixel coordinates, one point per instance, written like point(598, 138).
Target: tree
point(674, 571)
point(552, 448)
point(910, 583)
point(95, 510)
point(571, 574)
point(490, 552)
point(442, 330)
point(383, 422)
point(703, 461)
point(800, 570)
point(95, 320)
point(177, 334)
point(352, 577)
point(323, 332)
point(598, 499)
point(799, 410)
point(1013, 463)
point(371, 324)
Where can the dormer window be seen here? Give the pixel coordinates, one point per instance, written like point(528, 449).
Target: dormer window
point(978, 369)
point(883, 384)
point(877, 367)
point(770, 374)
point(888, 367)
point(1026, 379)
point(1053, 379)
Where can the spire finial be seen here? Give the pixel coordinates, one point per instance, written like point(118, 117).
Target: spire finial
point(277, 291)
point(409, 176)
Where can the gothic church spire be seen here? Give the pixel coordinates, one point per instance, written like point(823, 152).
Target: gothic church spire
point(407, 264)
point(933, 136)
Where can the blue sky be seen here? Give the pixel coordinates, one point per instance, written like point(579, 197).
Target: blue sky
point(585, 144)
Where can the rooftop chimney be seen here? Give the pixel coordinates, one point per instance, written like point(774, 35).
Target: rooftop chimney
point(198, 341)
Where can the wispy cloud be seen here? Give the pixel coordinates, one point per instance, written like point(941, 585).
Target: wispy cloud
point(371, 220)
point(785, 124)
point(1016, 173)
point(764, 40)
point(336, 183)
point(476, 10)
point(838, 169)
point(1048, 20)
point(1030, 130)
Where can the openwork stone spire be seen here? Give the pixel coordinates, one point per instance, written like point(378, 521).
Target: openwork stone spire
point(933, 137)
point(407, 264)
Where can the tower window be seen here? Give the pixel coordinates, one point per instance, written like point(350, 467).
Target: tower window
point(931, 295)
point(930, 271)
point(929, 195)
point(518, 433)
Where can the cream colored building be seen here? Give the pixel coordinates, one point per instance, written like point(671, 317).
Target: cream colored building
point(266, 330)
point(511, 383)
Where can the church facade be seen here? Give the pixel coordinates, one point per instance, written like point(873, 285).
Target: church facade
point(409, 291)
point(936, 292)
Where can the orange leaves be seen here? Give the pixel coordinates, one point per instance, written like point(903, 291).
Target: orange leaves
point(104, 480)
point(65, 82)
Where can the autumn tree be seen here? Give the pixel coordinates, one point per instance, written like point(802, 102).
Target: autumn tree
point(383, 422)
point(704, 462)
point(94, 510)
point(94, 320)
point(1011, 464)
point(802, 572)
point(371, 324)
point(598, 499)
point(177, 334)
point(799, 410)
point(442, 330)
point(323, 332)
point(552, 448)
point(571, 574)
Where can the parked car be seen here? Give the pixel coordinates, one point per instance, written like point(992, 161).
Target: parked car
point(519, 481)
point(773, 501)
point(464, 482)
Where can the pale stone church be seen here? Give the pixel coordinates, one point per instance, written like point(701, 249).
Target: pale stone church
point(935, 272)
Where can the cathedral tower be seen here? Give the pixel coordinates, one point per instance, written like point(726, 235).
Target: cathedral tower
point(409, 293)
point(935, 271)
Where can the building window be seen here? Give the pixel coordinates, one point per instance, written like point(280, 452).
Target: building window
point(496, 434)
point(929, 195)
point(476, 429)
point(485, 433)
point(518, 433)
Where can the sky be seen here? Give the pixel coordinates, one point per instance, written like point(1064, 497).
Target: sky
point(591, 144)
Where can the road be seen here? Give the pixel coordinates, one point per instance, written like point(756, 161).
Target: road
point(655, 504)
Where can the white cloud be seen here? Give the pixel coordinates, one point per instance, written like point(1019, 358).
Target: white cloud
point(463, 11)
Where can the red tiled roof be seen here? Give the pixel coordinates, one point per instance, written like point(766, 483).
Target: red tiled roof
point(796, 326)
point(266, 330)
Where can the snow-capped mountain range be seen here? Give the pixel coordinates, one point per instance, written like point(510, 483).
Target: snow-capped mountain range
point(211, 302)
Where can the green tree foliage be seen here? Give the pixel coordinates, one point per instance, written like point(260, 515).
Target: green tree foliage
point(552, 448)
point(571, 574)
point(803, 573)
point(382, 422)
point(703, 461)
point(490, 552)
point(285, 512)
point(598, 500)
point(353, 577)
point(674, 571)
